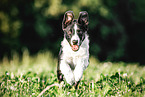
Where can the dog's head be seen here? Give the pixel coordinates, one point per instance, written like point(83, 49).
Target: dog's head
point(75, 29)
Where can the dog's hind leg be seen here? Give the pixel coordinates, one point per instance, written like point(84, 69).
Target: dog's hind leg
point(59, 74)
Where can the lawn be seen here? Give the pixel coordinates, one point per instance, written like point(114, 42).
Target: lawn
point(29, 75)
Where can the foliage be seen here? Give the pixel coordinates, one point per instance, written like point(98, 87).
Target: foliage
point(116, 28)
point(99, 79)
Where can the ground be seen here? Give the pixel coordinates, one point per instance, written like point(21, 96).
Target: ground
point(30, 75)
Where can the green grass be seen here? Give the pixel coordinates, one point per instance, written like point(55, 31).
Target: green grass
point(32, 74)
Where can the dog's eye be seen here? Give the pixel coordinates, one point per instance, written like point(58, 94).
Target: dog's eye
point(79, 31)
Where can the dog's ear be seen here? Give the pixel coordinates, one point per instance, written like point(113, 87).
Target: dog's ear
point(83, 20)
point(68, 18)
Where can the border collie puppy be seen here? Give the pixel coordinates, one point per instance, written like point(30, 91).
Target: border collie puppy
point(74, 52)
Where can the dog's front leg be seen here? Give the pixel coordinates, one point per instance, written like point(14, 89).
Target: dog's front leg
point(82, 64)
point(78, 72)
point(67, 72)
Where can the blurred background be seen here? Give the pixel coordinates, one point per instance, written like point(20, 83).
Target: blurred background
point(116, 27)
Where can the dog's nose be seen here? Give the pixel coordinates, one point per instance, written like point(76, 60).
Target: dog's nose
point(75, 42)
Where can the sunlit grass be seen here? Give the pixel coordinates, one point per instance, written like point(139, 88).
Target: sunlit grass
point(41, 62)
point(29, 75)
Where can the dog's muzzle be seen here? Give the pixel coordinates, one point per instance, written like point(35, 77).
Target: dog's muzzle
point(75, 47)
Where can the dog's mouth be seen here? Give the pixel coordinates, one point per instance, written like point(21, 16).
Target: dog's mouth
point(75, 47)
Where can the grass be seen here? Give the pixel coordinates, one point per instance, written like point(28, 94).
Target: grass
point(30, 75)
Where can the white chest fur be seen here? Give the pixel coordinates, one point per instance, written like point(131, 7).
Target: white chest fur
point(72, 63)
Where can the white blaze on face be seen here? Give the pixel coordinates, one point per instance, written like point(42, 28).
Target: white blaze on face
point(75, 36)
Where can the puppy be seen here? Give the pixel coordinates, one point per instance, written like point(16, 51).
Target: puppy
point(73, 57)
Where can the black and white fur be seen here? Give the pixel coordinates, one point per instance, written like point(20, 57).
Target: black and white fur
point(72, 63)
